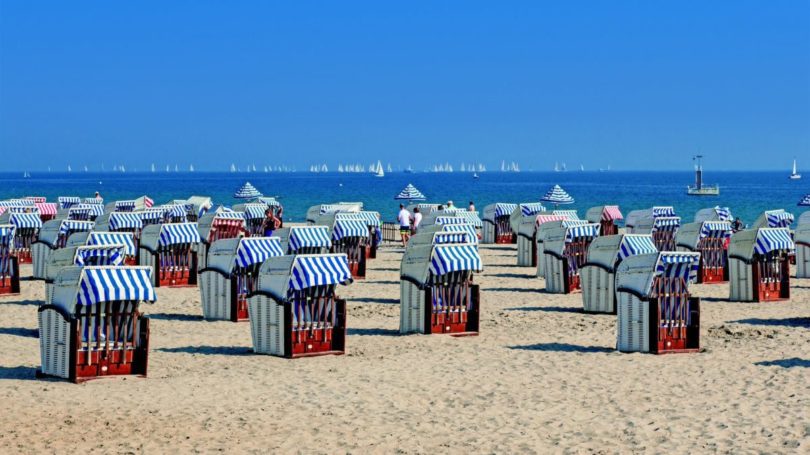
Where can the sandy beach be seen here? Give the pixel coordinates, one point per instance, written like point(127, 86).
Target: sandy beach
point(541, 377)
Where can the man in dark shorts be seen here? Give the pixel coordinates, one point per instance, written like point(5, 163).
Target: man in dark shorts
point(404, 218)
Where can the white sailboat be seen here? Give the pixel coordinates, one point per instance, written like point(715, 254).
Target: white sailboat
point(85, 169)
point(26, 175)
point(389, 168)
point(233, 167)
point(794, 175)
point(70, 169)
point(581, 168)
point(379, 172)
point(191, 168)
point(153, 167)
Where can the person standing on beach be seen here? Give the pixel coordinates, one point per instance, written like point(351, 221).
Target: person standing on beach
point(471, 208)
point(269, 223)
point(404, 219)
point(98, 196)
point(417, 218)
point(280, 216)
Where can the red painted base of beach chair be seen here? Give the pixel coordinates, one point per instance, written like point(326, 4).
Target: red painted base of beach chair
point(712, 275)
point(453, 323)
point(10, 285)
point(681, 340)
point(771, 290)
point(183, 278)
point(608, 227)
point(792, 258)
point(358, 266)
point(319, 341)
point(371, 252)
point(24, 256)
point(239, 306)
point(130, 260)
point(505, 239)
point(96, 364)
point(573, 284)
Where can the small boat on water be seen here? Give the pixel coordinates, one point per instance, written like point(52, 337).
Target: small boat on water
point(26, 175)
point(794, 175)
point(380, 172)
point(700, 189)
point(475, 176)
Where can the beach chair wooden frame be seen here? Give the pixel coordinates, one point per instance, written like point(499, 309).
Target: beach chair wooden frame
point(759, 267)
point(291, 315)
point(53, 235)
point(84, 339)
point(170, 250)
point(656, 312)
point(710, 239)
point(26, 233)
point(432, 302)
point(598, 274)
point(496, 226)
point(543, 231)
point(606, 216)
point(9, 265)
point(349, 237)
point(127, 223)
point(564, 254)
point(218, 226)
point(232, 274)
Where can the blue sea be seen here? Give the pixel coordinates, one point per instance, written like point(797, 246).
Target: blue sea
point(746, 193)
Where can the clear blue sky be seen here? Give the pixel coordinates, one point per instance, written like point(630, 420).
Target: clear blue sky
point(637, 84)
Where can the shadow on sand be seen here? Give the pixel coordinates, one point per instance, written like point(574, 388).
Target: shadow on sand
point(18, 373)
point(786, 363)
point(374, 300)
point(19, 332)
point(535, 291)
point(513, 275)
point(563, 347)
point(210, 350)
point(21, 302)
point(176, 317)
point(786, 322)
point(549, 309)
point(374, 332)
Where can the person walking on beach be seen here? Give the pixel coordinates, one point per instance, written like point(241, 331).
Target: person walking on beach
point(417, 218)
point(404, 219)
point(280, 216)
point(269, 223)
